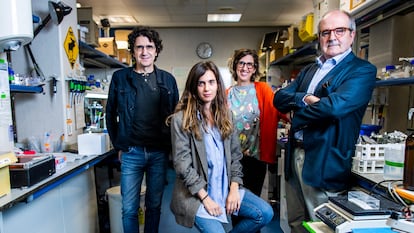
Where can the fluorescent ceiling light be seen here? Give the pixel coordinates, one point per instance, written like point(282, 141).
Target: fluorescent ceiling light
point(223, 17)
point(120, 19)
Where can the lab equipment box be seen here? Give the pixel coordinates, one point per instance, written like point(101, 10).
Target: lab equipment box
point(29, 170)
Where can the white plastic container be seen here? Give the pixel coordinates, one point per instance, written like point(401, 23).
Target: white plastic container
point(17, 27)
point(93, 143)
point(394, 161)
point(115, 209)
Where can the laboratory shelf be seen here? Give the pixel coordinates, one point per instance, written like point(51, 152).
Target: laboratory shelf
point(306, 53)
point(395, 82)
point(25, 89)
point(93, 58)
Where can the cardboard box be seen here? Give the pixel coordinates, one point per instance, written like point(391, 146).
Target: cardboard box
point(108, 46)
point(276, 52)
point(5, 160)
point(294, 41)
point(124, 56)
point(321, 7)
point(85, 19)
point(121, 38)
point(353, 6)
point(122, 35)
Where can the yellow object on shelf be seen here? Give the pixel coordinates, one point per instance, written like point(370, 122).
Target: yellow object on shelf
point(5, 160)
point(306, 33)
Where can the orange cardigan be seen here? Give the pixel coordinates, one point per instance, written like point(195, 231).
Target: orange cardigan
point(269, 118)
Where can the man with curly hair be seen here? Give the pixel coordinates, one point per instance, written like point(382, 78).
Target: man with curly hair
point(140, 98)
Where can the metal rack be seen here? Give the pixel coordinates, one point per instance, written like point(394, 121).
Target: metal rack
point(93, 58)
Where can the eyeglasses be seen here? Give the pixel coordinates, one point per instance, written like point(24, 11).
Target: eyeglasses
point(241, 64)
point(338, 32)
point(147, 47)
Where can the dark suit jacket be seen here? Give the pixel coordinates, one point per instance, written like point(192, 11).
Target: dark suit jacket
point(331, 126)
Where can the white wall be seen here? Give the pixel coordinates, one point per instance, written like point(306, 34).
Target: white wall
point(179, 55)
point(36, 114)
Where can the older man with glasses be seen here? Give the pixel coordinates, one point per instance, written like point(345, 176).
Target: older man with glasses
point(327, 102)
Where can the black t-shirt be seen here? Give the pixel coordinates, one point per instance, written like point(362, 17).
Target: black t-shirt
point(146, 126)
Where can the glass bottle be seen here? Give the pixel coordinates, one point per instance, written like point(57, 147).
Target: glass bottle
point(408, 181)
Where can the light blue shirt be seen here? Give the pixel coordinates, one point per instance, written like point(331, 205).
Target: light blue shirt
point(217, 173)
point(324, 68)
point(218, 184)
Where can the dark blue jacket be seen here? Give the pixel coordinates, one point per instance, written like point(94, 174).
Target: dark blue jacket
point(331, 126)
point(121, 105)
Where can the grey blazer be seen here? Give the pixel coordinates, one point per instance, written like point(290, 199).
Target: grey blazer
point(190, 163)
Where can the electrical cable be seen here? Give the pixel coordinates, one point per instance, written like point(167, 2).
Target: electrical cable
point(396, 195)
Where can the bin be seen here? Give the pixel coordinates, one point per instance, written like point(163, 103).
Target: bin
point(115, 209)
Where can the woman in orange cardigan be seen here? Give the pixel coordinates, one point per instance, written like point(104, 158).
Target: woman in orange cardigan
point(255, 118)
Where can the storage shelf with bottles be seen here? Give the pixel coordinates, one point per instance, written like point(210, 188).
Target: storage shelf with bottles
point(93, 58)
point(395, 82)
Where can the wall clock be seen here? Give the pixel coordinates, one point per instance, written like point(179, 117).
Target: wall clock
point(204, 50)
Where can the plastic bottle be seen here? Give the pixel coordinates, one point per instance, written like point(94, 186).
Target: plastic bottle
point(408, 181)
point(412, 68)
point(11, 75)
point(394, 161)
point(388, 70)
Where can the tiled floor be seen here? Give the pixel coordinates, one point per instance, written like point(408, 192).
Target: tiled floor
point(167, 222)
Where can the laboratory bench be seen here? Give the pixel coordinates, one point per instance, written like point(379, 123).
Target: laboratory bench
point(66, 201)
point(362, 220)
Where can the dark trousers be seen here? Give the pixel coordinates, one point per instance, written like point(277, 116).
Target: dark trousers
point(302, 199)
point(254, 172)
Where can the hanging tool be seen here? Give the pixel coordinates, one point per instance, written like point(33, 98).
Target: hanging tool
point(72, 92)
point(54, 84)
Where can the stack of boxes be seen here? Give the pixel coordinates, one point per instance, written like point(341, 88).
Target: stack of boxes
point(116, 47)
point(88, 30)
point(121, 38)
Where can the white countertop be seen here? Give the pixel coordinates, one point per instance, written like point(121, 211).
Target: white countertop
point(75, 164)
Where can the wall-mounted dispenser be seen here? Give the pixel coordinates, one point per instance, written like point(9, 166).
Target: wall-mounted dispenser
point(16, 28)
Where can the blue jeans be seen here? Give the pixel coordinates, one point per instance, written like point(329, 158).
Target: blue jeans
point(134, 163)
point(254, 213)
